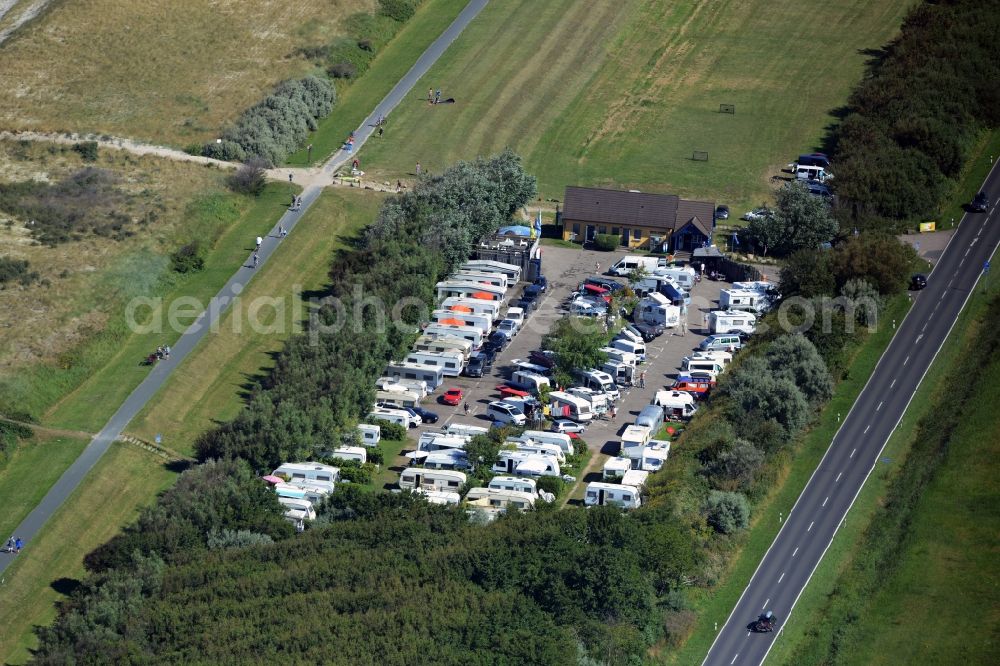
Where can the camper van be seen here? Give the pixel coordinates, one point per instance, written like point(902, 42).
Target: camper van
point(521, 364)
point(308, 471)
point(312, 494)
point(657, 309)
point(297, 510)
point(474, 335)
point(636, 435)
point(615, 469)
point(474, 305)
point(633, 262)
point(529, 381)
point(650, 417)
point(599, 381)
point(746, 301)
point(397, 416)
point(465, 430)
point(612, 494)
point(454, 459)
point(483, 322)
point(677, 405)
point(694, 366)
point(355, 453)
point(723, 357)
point(649, 458)
point(523, 463)
point(599, 401)
point(443, 345)
point(531, 446)
point(560, 439)
point(396, 399)
point(505, 413)
point(431, 375)
point(500, 499)
point(620, 356)
point(371, 435)
point(466, 289)
point(450, 362)
point(567, 406)
point(730, 321)
point(812, 172)
point(683, 276)
point(512, 271)
point(482, 277)
point(413, 478)
point(433, 441)
point(638, 349)
point(516, 483)
point(723, 341)
point(622, 374)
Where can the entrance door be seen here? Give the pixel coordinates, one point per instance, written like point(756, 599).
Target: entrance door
point(626, 235)
point(591, 232)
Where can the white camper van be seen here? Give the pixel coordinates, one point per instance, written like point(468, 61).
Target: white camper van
point(731, 321)
point(397, 399)
point(389, 384)
point(811, 172)
point(612, 494)
point(695, 366)
point(413, 478)
point(397, 416)
point(656, 309)
point(297, 510)
point(637, 349)
point(529, 381)
point(620, 356)
point(371, 435)
point(522, 443)
point(632, 262)
point(746, 301)
point(677, 405)
point(599, 381)
point(308, 471)
point(566, 406)
point(450, 362)
point(599, 401)
point(683, 276)
point(432, 441)
point(512, 271)
point(429, 374)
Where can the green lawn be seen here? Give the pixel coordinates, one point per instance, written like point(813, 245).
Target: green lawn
point(357, 100)
point(209, 386)
point(621, 93)
point(125, 479)
point(34, 466)
point(89, 405)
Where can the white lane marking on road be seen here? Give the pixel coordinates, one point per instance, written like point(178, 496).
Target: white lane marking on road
point(866, 429)
point(917, 341)
point(893, 383)
point(882, 402)
point(782, 577)
point(795, 552)
point(810, 526)
point(839, 474)
point(737, 654)
point(950, 282)
point(852, 453)
point(967, 251)
point(765, 604)
point(906, 360)
point(925, 327)
point(962, 261)
point(826, 500)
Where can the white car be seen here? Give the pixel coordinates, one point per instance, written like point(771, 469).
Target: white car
point(565, 425)
point(758, 214)
point(508, 327)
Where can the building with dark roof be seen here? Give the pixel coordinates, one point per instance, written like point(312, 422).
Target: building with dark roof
point(657, 222)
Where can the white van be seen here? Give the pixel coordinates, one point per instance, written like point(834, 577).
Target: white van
point(516, 314)
point(637, 349)
point(632, 262)
point(413, 478)
point(812, 172)
point(599, 381)
point(355, 453)
point(451, 362)
point(566, 406)
point(529, 381)
point(505, 413)
point(701, 367)
point(623, 374)
point(612, 494)
point(620, 356)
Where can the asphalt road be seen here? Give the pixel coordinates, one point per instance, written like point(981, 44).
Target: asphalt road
point(821, 508)
point(72, 477)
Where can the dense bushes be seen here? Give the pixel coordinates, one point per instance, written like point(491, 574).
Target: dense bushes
point(250, 178)
point(323, 381)
point(188, 258)
point(801, 221)
point(911, 122)
point(9, 434)
point(16, 270)
point(275, 127)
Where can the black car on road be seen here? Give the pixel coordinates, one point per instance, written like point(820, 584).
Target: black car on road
point(980, 203)
point(918, 282)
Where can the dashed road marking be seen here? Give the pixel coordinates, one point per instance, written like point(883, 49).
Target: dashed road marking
point(737, 654)
point(917, 341)
point(782, 577)
point(852, 453)
point(839, 474)
point(826, 500)
point(866, 429)
point(808, 529)
point(893, 383)
point(795, 552)
point(765, 604)
point(881, 402)
point(906, 360)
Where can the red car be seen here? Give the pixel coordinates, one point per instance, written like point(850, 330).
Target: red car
point(696, 388)
point(511, 392)
point(452, 397)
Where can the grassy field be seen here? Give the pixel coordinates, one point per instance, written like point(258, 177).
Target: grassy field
point(126, 479)
point(620, 93)
point(209, 386)
point(357, 100)
point(164, 71)
point(32, 469)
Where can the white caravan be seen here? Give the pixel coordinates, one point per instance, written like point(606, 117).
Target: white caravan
point(599, 401)
point(355, 453)
point(398, 399)
point(371, 435)
point(683, 276)
point(452, 318)
point(636, 478)
point(443, 344)
point(447, 459)
point(478, 306)
point(414, 478)
point(531, 446)
point(500, 499)
point(620, 356)
point(431, 442)
point(694, 366)
point(649, 458)
point(522, 463)
point(745, 301)
point(389, 384)
point(612, 494)
point(474, 335)
point(432, 376)
point(730, 321)
point(451, 362)
point(637, 349)
point(312, 494)
point(615, 469)
point(297, 510)
point(657, 309)
point(397, 416)
point(560, 439)
point(466, 289)
point(481, 277)
point(441, 497)
point(530, 381)
point(636, 435)
point(518, 483)
point(512, 271)
point(308, 471)
point(567, 406)
point(465, 429)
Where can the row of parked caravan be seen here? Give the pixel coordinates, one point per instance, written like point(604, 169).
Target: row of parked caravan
point(740, 306)
point(472, 315)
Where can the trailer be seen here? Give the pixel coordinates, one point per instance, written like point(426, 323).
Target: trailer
point(512, 271)
point(398, 399)
point(465, 289)
point(518, 483)
point(371, 435)
point(433, 376)
point(648, 458)
point(413, 478)
point(523, 463)
point(474, 335)
point(355, 453)
point(730, 321)
point(443, 344)
point(478, 306)
point(482, 277)
point(745, 300)
point(308, 471)
point(451, 362)
point(612, 494)
point(658, 310)
point(483, 322)
point(615, 469)
point(500, 499)
point(565, 405)
point(562, 440)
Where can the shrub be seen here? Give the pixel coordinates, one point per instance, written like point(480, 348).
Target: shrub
point(398, 10)
point(866, 301)
point(250, 178)
point(342, 70)
point(735, 466)
point(353, 471)
point(606, 242)
point(16, 269)
point(392, 431)
point(87, 150)
point(552, 484)
point(225, 539)
point(727, 512)
point(880, 259)
point(366, 45)
point(187, 258)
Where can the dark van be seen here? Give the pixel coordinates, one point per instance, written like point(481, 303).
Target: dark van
point(814, 159)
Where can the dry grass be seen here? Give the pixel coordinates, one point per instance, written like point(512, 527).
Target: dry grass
point(165, 71)
point(40, 322)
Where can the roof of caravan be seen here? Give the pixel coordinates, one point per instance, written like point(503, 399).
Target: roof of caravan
point(618, 463)
point(635, 477)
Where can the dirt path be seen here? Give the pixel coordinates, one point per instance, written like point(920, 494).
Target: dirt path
point(45, 430)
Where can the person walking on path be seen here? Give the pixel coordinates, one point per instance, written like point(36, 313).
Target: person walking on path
point(642, 379)
point(437, 96)
point(10, 545)
point(380, 130)
point(281, 231)
point(430, 95)
point(259, 241)
point(418, 168)
point(597, 268)
point(289, 178)
point(466, 408)
point(256, 259)
point(18, 545)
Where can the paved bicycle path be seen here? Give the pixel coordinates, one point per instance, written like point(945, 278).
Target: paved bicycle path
point(211, 317)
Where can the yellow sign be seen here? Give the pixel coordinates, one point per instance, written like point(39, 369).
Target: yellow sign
point(927, 226)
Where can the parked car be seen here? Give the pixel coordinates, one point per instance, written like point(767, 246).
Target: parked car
point(532, 292)
point(567, 426)
point(508, 328)
point(758, 214)
point(452, 396)
point(528, 305)
point(542, 283)
point(606, 283)
point(918, 282)
point(478, 364)
point(722, 213)
point(426, 416)
point(980, 203)
point(496, 342)
point(543, 357)
point(818, 189)
point(649, 332)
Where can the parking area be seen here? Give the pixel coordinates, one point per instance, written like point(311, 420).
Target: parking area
point(565, 268)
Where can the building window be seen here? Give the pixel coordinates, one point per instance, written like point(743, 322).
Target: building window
point(576, 229)
point(602, 230)
point(637, 234)
point(614, 231)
